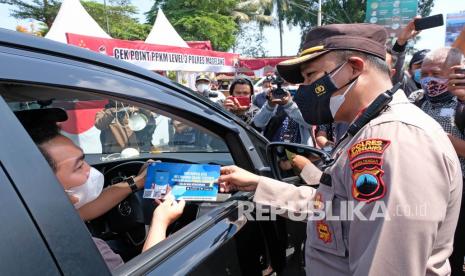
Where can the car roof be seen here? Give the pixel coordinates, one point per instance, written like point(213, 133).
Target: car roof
point(33, 43)
point(18, 40)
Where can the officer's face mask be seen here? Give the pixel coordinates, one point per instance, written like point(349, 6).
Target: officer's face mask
point(88, 191)
point(433, 86)
point(336, 102)
point(137, 121)
point(315, 101)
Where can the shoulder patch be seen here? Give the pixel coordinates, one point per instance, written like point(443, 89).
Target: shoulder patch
point(367, 181)
point(372, 145)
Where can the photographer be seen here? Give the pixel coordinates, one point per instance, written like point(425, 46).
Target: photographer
point(203, 85)
point(280, 118)
point(239, 101)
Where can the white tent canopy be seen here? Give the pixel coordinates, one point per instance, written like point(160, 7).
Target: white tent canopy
point(73, 18)
point(163, 33)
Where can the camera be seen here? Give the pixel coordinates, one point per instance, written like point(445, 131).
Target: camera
point(278, 92)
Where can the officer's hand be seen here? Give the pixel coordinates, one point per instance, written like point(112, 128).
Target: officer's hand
point(234, 178)
point(408, 32)
point(456, 83)
point(300, 162)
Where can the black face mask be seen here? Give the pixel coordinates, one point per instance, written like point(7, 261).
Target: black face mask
point(313, 99)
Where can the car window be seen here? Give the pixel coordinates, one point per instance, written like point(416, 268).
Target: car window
point(118, 129)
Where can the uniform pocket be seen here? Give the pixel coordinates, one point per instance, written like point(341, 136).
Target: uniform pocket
point(326, 234)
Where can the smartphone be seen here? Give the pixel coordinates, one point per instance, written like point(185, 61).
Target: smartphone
point(243, 100)
point(429, 22)
point(161, 183)
point(460, 70)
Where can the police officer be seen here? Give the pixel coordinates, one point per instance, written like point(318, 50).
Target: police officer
point(203, 86)
point(394, 158)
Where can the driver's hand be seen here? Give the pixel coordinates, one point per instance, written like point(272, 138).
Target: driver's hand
point(234, 178)
point(168, 211)
point(140, 178)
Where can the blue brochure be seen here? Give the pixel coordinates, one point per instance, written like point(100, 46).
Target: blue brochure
point(194, 182)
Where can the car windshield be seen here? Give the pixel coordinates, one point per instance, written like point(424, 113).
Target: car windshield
point(116, 129)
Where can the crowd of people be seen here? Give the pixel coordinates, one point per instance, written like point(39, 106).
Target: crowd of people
point(343, 71)
point(411, 150)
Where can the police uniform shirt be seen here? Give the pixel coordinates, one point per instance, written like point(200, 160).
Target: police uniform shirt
point(444, 113)
point(401, 161)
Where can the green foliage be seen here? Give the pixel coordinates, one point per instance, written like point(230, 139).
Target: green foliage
point(200, 20)
point(335, 11)
point(121, 16)
point(219, 29)
point(44, 11)
point(121, 20)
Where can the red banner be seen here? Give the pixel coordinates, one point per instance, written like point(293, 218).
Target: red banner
point(158, 57)
point(259, 63)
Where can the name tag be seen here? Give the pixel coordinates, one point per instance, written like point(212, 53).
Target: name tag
point(447, 112)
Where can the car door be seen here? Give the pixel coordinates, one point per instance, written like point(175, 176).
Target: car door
point(219, 229)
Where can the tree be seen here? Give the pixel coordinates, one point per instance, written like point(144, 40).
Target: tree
point(336, 11)
point(200, 20)
point(120, 13)
point(249, 41)
point(44, 11)
point(121, 17)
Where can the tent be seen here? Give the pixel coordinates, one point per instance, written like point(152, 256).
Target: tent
point(73, 18)
point(163, 33)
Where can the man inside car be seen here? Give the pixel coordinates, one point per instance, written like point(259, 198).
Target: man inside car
point(84, 184)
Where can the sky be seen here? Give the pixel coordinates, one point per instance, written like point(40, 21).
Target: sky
point(430, 39)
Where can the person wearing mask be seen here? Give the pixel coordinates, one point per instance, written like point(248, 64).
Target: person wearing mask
point(203, 87)
point(456, 86)
point(84, 184)
point(281, 121)
point(345, 77)
point(240, 100)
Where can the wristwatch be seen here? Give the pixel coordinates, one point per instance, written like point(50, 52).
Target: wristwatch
point(132, 183)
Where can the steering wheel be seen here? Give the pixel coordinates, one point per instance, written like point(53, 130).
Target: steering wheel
point(128, 216)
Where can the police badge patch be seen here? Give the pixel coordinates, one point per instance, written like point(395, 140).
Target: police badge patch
point(367, 181)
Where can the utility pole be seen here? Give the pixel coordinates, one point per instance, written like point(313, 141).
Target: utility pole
point(319, 13)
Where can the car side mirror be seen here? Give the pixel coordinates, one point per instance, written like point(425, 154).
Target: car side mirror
point(284, 158)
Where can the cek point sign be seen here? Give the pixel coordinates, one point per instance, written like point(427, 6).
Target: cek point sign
point(158, 57)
